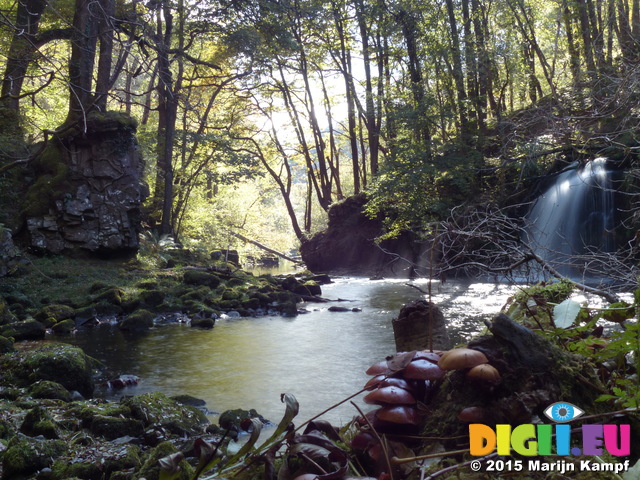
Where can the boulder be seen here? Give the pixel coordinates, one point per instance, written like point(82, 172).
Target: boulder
point(26, 330)
point(61, 363)
point(25, 456)
point(420, 326)
point(87, 190)
point(158, 410)
point(138, 321)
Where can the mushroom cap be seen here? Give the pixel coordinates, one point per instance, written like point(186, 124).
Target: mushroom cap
point(422, 369)
point(379, 368)
point(427, 355)
point(390, 396)
point(399, 414)
point(472, 415)
point(383, 381)
point(460, 358)
point(484, 372)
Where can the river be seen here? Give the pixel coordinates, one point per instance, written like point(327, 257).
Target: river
point(320, 357)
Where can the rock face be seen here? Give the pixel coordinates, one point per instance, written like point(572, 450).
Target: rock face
point(348, 244)
point(87, 190)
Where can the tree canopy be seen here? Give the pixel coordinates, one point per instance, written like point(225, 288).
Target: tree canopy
point(243, 105)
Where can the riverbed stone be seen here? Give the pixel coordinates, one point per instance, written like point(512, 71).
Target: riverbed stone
point(65, 326)
point(61, 363)
point(38, 421)
point(6, 345)
point(420, 326)
point(25, 456)
point(231, 419)
point(25, 330)
point(50, 390)
point(139, 320)
point(57, 311)
point(150, 470)
point(115, 427)
point(156, 409)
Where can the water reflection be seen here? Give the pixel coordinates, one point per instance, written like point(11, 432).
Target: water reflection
point(320, 357)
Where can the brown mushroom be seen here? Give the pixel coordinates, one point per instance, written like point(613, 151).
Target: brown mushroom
point(484, 373)
point(473, 415)
point(422, 369)
point(383, 381)
point(390, 396)
point(379, 368)
point(426, 355)
point(460, 358)
point(399, 414)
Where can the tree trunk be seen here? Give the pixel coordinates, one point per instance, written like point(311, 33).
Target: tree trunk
point(105, 34)
point(458, 76)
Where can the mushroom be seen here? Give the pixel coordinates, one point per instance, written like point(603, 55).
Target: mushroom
point(484, 373)
point(399, 414)
point(390, 396)
point(379, 368)
point(422, 369)
point(473, 415)
point(460, 358)
point(383, 381)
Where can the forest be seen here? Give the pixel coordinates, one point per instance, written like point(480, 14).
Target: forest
point(256, 117)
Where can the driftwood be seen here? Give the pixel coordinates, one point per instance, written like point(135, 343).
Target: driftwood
point(264, 247)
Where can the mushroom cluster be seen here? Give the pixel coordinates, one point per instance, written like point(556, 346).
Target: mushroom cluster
point(475, 362)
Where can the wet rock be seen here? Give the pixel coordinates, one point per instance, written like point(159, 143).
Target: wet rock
point(25, 330)
point(58, 312)
point(25, 456)
point(115, 427)
point(156, 409)
point(65, 326)
point(60, 363)
point(420, 325)
point(204, 323)
point(152, 298)
point(50, 390)
point(38, 422)
point(140, 320)
point(231, 419)
point(6, 316)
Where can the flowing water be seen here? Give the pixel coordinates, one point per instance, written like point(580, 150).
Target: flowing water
point(575, 216)
point(320, 357)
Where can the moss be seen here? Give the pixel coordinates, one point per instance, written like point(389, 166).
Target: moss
point(88, 410)
point(139, 320)
point(6, 345)
point(152, 298)
point(205, 323)
point(25, 456)
point(115, 427)
point(49, 389)
point(25, 330)
point(158, 409)
point(39, 422)
point(51, 183)
point(111, 295)
point(63, 327)
point(197, 277)
point(56, 311)
point(58, 362)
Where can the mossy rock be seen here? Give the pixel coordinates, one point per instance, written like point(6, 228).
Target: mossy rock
point(231, 294)
point(86, 470)
point(58, 362)
point(198, 277)
point(140, 320)
point(39, 421)
point(252, 303)
point(152, 298)
point(150, 470)
point(204, 323)
point(200, 294)
point(312, 287)
point(25, 330)
point(97, 286)
point(25, 456)
point(56, 311)
point(6, 316)
point(86, 411)
point(157, 409)
point(50, 390)
point(63, 327)
point(231, 419)
point(288, 309)
point(6, 345)
point(111, 295)
point(115, 427)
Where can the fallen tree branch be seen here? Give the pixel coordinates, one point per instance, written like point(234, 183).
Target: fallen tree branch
point(265, 248)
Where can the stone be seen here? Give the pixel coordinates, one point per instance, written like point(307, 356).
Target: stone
point(204, 323)
point(57, 362)
point(115, 427)
point(156, 409)
point(87, 191)
point(198, 277)
point(49, 389)
point(140, 320)
point(38, 422)
point(25, 456)
point(58, 312)
point(418, 321)
point(26, 330)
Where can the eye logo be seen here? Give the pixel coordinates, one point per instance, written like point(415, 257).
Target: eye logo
point(563, 412)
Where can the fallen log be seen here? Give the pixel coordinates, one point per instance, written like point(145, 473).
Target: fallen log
point(265, 248)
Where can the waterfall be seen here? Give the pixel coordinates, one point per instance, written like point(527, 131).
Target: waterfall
point(573, 218)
